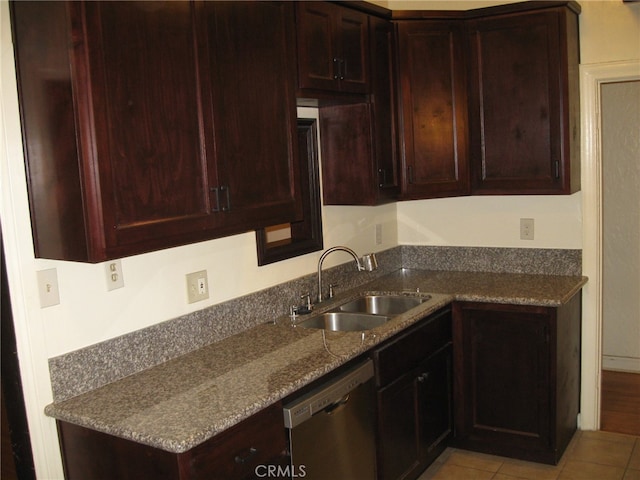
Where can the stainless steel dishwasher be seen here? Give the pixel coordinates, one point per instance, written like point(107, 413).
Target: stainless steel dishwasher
point(331, 428)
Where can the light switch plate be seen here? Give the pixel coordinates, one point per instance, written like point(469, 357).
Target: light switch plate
point(197, 286)
point(48, 287)
point(526, 228)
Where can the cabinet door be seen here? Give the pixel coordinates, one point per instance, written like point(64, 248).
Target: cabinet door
point(521, 133)
point(415, 417)
point(433, 105)
point(503, 397)
point(435, 415)
point(353, 50)
point(316, 45)
point(251, 47)
point(347, 155)
point(332, 48)
point(383, 109)
point(139, 119)
point(398, 449)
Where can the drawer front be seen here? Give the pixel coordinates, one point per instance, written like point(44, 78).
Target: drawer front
point(408, 349)
point(253, 444)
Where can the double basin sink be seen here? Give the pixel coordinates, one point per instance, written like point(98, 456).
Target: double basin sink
point(363, 313)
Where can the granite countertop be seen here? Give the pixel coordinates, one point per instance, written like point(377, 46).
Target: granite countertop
point(185, 401)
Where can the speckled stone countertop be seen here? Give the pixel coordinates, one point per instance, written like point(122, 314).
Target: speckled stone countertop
point(185, 401)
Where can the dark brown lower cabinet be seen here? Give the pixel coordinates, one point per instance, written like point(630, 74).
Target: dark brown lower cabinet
point(517, 380)
point(414, 404)
point(254, 447)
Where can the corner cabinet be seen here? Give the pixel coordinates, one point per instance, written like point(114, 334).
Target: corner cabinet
point(517, 378)
point(359, 149)
point(146, 126)
point(413, 375)
point(433, 106)
point(524, 102)
point(332, 48)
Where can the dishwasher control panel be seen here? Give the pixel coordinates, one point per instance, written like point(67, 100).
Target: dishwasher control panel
point(333, 392)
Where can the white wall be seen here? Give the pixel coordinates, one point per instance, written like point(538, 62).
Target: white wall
point(154, 283)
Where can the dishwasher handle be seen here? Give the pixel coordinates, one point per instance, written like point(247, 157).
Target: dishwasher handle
point(337, 404)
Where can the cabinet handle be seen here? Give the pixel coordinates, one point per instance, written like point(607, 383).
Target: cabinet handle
point(227, 207)
point(244, 459)
point(423, 377)
point(382, 176)
point(410, 173)
point(216, 192)
point(342, 69)
point(336, 68)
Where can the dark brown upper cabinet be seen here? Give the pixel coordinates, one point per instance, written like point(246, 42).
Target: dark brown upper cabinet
point(359, 150)
point(332, 48)
point(433, 108)
point(524, 101)
point(146, 124)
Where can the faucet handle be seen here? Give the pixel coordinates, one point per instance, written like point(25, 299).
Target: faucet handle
point(331, 289)
point(369, 262)
point(309, 305)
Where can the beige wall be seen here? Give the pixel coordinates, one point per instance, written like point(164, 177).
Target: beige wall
point(154, 283)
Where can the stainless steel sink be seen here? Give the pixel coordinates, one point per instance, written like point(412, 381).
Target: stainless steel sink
point(382, 304)
point(345, 321)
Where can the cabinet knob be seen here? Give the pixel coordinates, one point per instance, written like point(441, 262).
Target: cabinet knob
point(245, 458)
point(423, 377)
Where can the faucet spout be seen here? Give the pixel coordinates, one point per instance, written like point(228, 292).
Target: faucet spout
point(370, 264)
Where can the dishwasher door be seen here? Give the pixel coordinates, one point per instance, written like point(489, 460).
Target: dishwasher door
point(331, 429)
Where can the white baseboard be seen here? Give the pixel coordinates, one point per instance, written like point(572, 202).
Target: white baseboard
point(621, 364)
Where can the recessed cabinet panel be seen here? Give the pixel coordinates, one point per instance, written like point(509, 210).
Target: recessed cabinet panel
point(433, 96)
point(353, 31)
point(315, 45)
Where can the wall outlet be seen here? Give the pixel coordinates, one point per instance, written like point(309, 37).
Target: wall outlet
point(197, 286)
point(48, 287)
point(526, 228)
point(378, 234)
point(113, 275)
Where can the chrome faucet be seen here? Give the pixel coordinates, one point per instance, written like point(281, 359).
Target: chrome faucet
point(368, 263)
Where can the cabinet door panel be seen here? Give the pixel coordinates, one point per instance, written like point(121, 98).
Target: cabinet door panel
point(316, 45)
point(433, 96)
point(504, 397)
point(353, 44)
point(516, 102)
point(141, 62)
point(398, 428)
point(254, 112)
point(434, 406)
point(384, 111)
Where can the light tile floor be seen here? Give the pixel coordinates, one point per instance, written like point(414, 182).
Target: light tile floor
point(589, 456)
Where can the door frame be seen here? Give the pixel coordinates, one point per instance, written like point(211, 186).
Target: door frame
point(592, 77)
